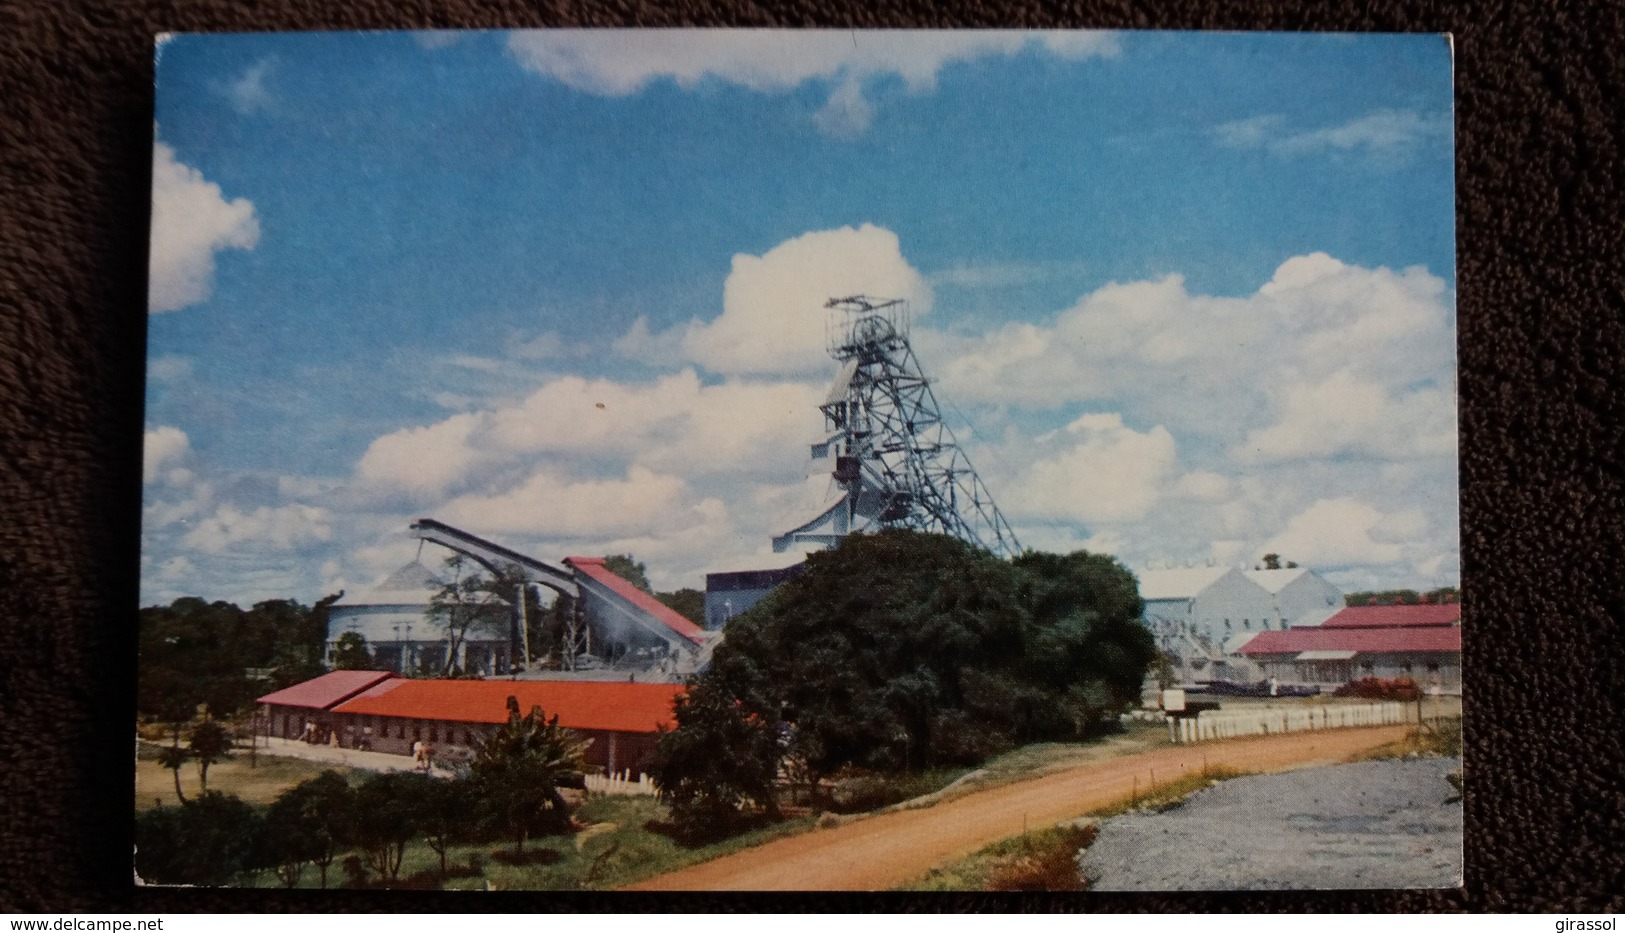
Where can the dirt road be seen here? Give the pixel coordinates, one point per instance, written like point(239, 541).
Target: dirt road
point(882, 852)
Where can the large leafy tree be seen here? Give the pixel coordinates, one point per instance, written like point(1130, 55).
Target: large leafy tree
point(211, 742)
point(442, 810)
point(350, 653)
point(629, 569)
point(686, 602)
point(721, 760)
point(901, 650)
point(519, 769)
point(209, 842)
point(382, 820)
point(194, 653)
point(306, 823)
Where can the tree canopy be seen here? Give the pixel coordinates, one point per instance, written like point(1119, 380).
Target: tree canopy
point(906, 650)
point(519, 769)
point(194, 652)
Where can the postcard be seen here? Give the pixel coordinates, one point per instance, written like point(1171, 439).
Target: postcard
point(801, 460)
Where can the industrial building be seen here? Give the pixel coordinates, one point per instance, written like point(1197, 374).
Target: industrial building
point(613, 630)
point(1421, 643)
point(1202, 616)
point(394, 619)
point(730, 593)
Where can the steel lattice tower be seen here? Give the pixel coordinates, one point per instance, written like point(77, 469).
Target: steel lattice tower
point(896, 463)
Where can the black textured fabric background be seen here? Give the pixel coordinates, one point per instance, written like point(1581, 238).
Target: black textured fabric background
point(1541, 108)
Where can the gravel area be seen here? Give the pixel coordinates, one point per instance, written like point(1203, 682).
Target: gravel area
point(1376, 824)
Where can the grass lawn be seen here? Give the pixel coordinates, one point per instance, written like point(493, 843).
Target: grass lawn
point(257, 785)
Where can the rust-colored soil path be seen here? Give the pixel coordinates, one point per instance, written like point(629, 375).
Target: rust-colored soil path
point(882, 852)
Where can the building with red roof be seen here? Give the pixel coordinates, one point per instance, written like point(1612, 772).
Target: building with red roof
point(392, 714)
point(1425, 615)
point(1421, 643)
point(288, 712)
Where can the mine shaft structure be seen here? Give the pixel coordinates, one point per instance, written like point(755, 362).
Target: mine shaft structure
point(893, 460)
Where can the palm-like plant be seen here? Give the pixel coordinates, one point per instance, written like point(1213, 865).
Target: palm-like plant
point(520, 768)
point(211, 742)
point(173, 758)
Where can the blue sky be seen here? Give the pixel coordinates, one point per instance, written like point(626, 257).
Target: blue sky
point(1194, 293)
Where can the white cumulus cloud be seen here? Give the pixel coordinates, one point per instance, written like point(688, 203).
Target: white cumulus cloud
point(617, 63)
point(1336, 533)
point(1324, 358)
point(191, 221)
point(1105, 471)
point(623, 62)
point(773, 320)
point(277, 529)
point(163, 450)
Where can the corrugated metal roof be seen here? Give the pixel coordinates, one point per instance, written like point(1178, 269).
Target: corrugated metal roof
point(1396, 616)
point(613, 707)
point(326, 690)
point(1364, 640)
point(667, 616)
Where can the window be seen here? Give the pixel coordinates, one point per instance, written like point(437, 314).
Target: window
point(1247, 624)
point(434, 733)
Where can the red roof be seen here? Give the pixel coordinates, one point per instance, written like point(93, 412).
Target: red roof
point(1366, 640)
point(1395, 616)
point(587, 705)
point(326, 690)
point(594, 568)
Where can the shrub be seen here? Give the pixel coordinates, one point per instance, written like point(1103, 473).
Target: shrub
point(209, 841)
point(1377, 688)
point(1045, 861)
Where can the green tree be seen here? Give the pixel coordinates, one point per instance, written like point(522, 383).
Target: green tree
point(193, 652)
point(629, 569)
point(688, 603)
point(350, 653)
point(383, 820)
point(211, 742)
point(442, 810)
point(519, 769)
point(174, 758)
point(901, 650)
point(720, 762)
point(306, 823)
point(209, 842)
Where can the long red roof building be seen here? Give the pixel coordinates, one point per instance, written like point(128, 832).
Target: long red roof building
point(586, 705)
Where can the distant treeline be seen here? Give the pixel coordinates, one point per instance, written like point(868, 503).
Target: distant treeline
point(194, 652)
point(1444, 594)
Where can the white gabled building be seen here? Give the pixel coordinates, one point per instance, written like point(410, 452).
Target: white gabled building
point(1201, 617)
point(1301, 596)
point(393, 618)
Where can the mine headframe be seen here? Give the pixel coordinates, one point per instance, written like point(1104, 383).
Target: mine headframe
point(896, 462)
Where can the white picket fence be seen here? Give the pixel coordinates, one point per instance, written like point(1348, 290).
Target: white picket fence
point(1225, 724)
point(621, 784)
